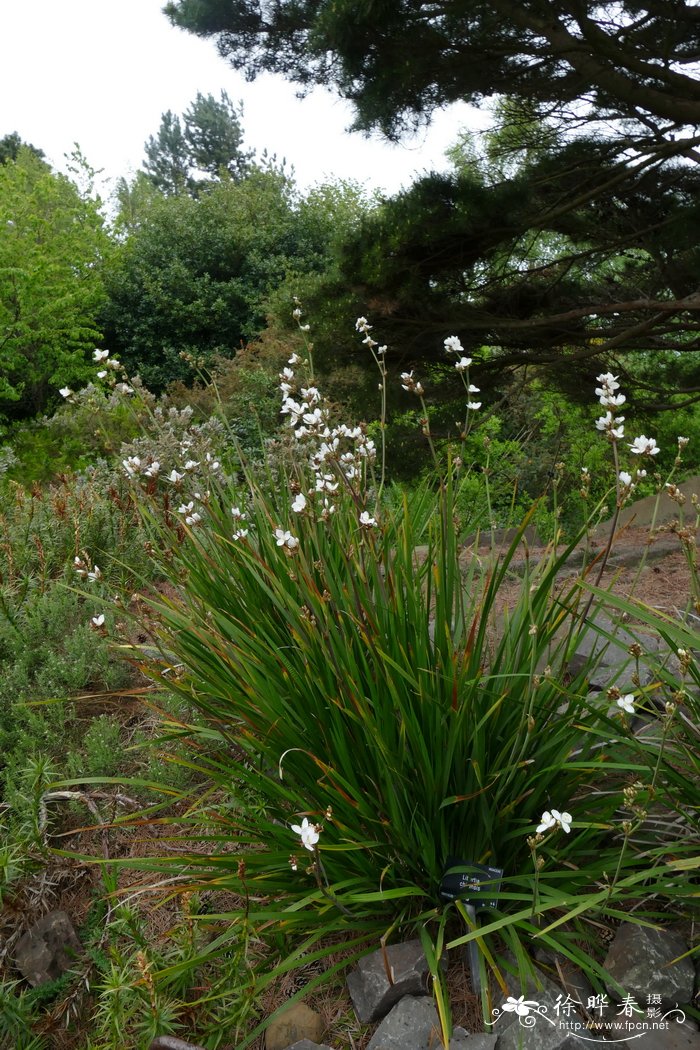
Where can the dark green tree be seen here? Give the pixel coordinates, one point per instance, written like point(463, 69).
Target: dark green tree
point(214, 137)
point(193, 275)
point(167, 157)
point(569, 249)
point(203, 145)
point(10, 146)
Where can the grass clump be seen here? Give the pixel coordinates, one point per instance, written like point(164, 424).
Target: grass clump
point(383, 700)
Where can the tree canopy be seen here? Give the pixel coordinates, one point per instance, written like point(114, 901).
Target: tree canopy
point(194, 273)
point(569, 246)
point(204, 145)
point(51, 242)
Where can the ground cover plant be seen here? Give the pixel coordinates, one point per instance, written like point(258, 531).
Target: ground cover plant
point(373, 707)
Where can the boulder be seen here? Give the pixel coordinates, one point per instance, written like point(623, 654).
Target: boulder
point(296, 1023)
point(641, 960)
point(373, 993)
point(413, 1024)
point(48, 949)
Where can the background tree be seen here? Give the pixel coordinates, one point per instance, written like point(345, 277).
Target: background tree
point(167, 158)
point(194, 274)
point(10, 146)
point(52, 242)
point(582, 251)
point(207, 141)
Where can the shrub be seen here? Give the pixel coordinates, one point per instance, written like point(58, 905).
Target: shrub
point(383, 702)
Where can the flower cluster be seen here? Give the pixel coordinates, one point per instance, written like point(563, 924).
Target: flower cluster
point(612, 425)
point(462, 364)
point(552, 819)
point(334, 452)
point(83, 570)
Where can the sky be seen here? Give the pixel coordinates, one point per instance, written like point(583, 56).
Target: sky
point(102, 72)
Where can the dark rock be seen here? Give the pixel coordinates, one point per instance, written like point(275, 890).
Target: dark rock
point(673, 1032)
point(609, 661)
point(462, 1040)
point(306, 1044)
point(555, 1029)
point(413, 1024)
point(48, 949)
point(641, 960)
point(373, 994)
point(294, 1024)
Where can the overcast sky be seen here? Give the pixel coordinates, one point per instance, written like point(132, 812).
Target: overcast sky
point(101, 73)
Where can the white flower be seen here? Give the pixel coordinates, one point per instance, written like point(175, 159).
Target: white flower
point(626, 703)
point(473, 405)
point(191, 464)
point(453, 345)
point(124, 388)
point(284, 538)
point(94, 574)
point(361, 325)
point(152, 470)
point(185, 508)
point(65, 391)
point(102, 374)
point(97, 621)
point(296, 313)
point(463, 364)
point(113, 364)
point(471, 389)
point(299, 503)
point(294, 359)
point(366, 521)
point(193, 519)
point(551, 819)
point(240, 534)
point(682, 442)
point(175, 477)
point(625, 478)
point(609, 382)
point(305, 327)
point(237, 514)
point(520, 1006)
point(644, 446)
point(132, 465)
point(308, 833)
point(100, 355)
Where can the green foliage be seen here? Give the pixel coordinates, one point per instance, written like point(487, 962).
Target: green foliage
point(193, 276)
point(11, 144)
point(51, 244)
point(318, 628)
point(211, 143)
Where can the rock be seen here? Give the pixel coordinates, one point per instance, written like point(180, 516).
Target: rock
point(673, 1033)
point(372, 993)
point(610, 662)
point(306, 1044)
point(554, 1030)
point(640, 960)
point(413, 1024)
point(658, 509)
point(462, 1040)
point(298, 1022)
point(563, 972)
point(48, 949)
